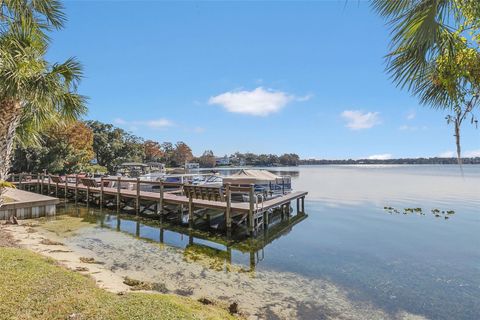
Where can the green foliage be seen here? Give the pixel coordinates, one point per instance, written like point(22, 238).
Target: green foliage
point(46, 92)
point(435, 53)
point(62, 149)
point(113, 146)
point(95, 168)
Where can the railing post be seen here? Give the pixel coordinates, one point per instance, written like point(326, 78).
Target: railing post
point(56, 189)
point(251, 208)
point(228, 213)
point(76, 188)
point(41, 184)
point(101, 192)
point(49, 182)
point(190, 209)
point(66, 186)
point(298, 205)
point(160, 201)
point(88, 194)
point(303, 204)
point(20, 181)
point(118, 193)
point(137, 199)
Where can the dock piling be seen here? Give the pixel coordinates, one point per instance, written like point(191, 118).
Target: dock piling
point(160, 201)
point(228, 213)
point(101, 192)
point(137, 198)
point(118, 193)
point(251, 195)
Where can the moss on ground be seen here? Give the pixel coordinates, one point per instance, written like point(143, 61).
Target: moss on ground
point(33, 287)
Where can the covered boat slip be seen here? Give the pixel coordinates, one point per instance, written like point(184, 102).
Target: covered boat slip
point(262, 179)
point(199, 202)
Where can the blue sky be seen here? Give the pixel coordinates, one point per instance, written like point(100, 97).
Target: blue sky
point(264, 77)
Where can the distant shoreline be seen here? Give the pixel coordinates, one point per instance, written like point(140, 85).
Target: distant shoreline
point(400, 161)
point(392, 161)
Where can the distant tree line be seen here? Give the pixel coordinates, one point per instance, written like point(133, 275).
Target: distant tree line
point(93, 146)
point(434, 160)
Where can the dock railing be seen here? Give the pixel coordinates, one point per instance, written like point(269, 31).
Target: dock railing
point(159, 196)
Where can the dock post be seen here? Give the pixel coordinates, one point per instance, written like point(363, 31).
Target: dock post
point(303, 204)
point(20, 178)
point(190, 211)
point(298, 205)
point(228, 213)
point(88, 195)
point(137, 198)
point(56, 189)
point(49, 182)
point(101, 192)
point(41, 184)
point(66, 187)
point(118, 194)
point(76, 188)
point(160, 201)
point(251, 195)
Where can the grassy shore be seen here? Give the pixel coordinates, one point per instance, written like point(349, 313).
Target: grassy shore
point(33, 287)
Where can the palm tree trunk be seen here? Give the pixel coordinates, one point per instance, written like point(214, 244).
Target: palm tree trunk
point(10, 113)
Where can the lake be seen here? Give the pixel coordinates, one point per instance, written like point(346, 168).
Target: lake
point(357, 254)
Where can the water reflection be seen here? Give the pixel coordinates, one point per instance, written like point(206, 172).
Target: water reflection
point(217, 251)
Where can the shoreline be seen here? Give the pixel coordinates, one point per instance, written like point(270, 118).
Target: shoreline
point(258, 295)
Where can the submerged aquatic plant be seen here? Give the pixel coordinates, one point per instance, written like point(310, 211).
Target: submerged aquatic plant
point(436, 212)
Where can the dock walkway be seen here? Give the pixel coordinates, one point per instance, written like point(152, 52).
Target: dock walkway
point(109, 192)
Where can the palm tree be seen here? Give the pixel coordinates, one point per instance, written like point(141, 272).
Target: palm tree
point(33, 92)
point(434, 54)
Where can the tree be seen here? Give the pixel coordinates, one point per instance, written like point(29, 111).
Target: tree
point(33, 92)
point(434, 53)
point(168, 153)
point(113, 146)
point(207, 159)
point(153, 151)
point(182, 153)
point(289, 159)
point(64, 149)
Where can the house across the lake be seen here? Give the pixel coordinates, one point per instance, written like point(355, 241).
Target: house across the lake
point(222, 161)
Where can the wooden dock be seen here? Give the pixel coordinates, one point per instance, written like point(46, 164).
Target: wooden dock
point(167, 198)
point(25, 205)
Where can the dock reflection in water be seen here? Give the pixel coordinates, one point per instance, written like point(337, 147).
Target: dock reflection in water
point(210, 249)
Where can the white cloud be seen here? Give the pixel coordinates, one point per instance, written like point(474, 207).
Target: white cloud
point(258, 102)
point(384, 156)
point(472, 153)
point(158, 123)
point(411, 115)
point(446, 154)
point(357, 120)
point(161, 123)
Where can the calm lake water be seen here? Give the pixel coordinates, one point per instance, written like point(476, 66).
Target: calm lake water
point(356, 255)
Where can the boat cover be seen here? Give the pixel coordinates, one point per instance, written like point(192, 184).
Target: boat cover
point(245, 176)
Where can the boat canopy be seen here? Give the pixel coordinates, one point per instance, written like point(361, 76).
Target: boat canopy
point(245, 176)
